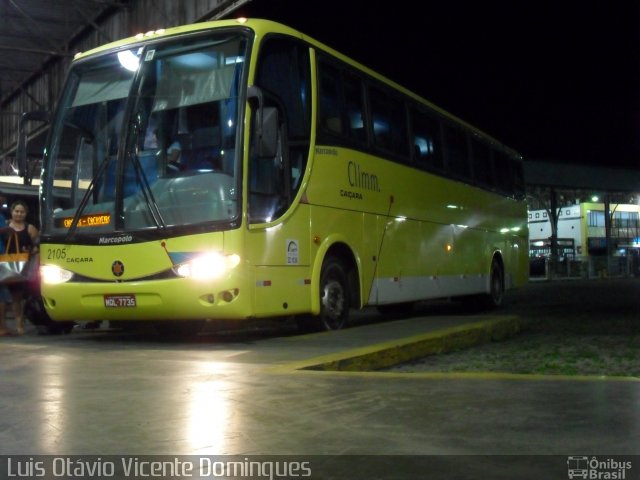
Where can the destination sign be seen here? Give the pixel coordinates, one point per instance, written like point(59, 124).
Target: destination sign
point(90, 220)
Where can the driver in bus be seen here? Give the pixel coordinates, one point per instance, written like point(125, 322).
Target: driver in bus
point(174, 151)
point(173, 157)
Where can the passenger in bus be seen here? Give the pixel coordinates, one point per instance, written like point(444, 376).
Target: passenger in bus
point(152, 149)
point(28, 240)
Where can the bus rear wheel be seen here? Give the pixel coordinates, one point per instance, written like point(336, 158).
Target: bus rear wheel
point(334, 299)
point(492, 299)
point(495, 296)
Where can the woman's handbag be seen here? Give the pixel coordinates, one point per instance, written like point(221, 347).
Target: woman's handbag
point(13, 266)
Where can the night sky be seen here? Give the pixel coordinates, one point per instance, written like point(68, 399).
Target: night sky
point(558, 81)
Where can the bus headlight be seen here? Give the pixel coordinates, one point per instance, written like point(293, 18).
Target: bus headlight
point(52, 274)
point(207, 266)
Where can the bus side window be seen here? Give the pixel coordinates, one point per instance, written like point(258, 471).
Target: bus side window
point(330, 104)
point(457, 150)
point(389, 122)
point(427, 143)
point(518, 179)
point(341, 97)
point(504, 174)
point(482, 170)
point(354, 107)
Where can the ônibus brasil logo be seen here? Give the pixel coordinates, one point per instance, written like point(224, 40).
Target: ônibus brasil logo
point(597, 468)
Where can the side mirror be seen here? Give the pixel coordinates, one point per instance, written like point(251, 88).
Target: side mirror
point(21, 148)
point(267, 124)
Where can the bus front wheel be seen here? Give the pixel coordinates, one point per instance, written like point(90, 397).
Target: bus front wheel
point(334, 299)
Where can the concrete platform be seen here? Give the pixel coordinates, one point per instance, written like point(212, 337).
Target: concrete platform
point(262, 393)
point(386, 353)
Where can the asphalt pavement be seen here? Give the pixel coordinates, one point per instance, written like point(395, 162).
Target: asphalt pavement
point(260, 392)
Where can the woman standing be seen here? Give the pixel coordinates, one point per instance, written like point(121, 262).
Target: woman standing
point(28, 241)
point(5, 296)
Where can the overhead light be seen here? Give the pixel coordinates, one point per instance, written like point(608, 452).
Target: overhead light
point(129, 60)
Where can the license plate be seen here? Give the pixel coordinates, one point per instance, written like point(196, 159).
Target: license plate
point(120, 301)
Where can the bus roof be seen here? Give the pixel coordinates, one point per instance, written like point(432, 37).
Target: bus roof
point(262, 27)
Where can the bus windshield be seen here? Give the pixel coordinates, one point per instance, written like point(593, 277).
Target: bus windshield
point(145, 138)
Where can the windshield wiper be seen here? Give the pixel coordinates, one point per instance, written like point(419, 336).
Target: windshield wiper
point(148, 193)
point(85, 198)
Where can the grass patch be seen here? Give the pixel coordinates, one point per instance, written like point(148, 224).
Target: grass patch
point(542, 353)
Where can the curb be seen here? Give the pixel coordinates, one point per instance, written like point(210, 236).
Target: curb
point(386, 354)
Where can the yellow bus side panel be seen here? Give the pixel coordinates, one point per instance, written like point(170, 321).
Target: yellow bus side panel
point(281, 290)
point(417, 235)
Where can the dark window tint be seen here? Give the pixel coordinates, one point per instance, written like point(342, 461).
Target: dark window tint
point(518, 179)
point(389, 123)
point(330, 101)
point(426, 140)
point(457, 154)
point(503, 172)
point(354, 107)
point(482, 163)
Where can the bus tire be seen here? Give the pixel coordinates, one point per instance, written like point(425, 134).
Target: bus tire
point(35, 312)
point(495, 296)
point(487, 301)
point(334, 295)
point(334, 299)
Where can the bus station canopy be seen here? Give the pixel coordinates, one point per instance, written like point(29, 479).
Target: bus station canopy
point(568, 176)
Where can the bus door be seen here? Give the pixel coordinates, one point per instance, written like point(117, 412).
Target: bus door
point(278, 244)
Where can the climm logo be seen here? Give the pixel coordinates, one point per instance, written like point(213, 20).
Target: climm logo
point(362, 179)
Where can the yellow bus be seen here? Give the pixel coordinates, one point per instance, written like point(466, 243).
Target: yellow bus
point(239, 169)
